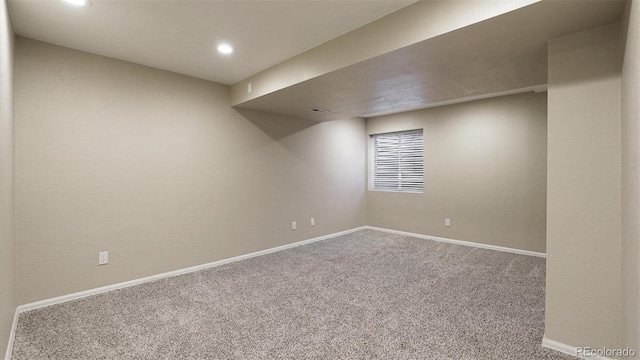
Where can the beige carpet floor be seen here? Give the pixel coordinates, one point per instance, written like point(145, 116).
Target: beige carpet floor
point(366, 295)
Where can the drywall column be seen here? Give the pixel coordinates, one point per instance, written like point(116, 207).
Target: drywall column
point(583, 304)
point(631, 178)
point(7, 236)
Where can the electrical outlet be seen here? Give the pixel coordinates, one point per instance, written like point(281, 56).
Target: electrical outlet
point(103, 258)
point(249, 88)
point(313, 221)
point(447, 222)
point(293, 225)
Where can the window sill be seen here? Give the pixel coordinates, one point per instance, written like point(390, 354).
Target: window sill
point(397, 192)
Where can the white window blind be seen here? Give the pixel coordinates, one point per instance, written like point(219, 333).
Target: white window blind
point(398, 161)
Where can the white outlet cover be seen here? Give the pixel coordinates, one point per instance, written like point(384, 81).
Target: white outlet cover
point(103, 258)
point(313, 221)
point(293, 225)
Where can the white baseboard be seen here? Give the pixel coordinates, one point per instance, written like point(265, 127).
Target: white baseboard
point(558, 346)
point(567, 349)
point(12, 335)
point(460, 242)
point(81, 294)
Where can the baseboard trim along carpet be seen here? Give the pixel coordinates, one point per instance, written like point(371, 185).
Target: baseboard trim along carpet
point(64, 298)
point(567, 349)
point(90, 292)
point(459, 242)
point(12, 335)
point(364, 294)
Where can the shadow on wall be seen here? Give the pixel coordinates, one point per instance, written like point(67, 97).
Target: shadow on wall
point(274, 125)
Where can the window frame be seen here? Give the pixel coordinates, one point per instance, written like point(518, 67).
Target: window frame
point(372, 161)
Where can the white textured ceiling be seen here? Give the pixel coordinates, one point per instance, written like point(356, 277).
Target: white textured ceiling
point(182, 35)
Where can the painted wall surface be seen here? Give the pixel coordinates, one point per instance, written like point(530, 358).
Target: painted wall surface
point(631, 178)
point(157, 169)
point(485, 169)
point(583, 305)
point(7, 234)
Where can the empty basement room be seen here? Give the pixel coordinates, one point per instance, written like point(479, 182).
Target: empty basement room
point(389, 179)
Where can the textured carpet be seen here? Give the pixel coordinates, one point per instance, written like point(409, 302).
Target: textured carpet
point(366, 295)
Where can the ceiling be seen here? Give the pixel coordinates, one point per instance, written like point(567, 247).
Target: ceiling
point(503, 55)
point(182, 35)
point(500, 55)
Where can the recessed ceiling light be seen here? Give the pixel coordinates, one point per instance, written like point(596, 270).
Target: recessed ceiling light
point(79, 3)
point(225, 49)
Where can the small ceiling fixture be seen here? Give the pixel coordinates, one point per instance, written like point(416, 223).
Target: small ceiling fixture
point(225, 48)
point(79, 3)
point(318, 110)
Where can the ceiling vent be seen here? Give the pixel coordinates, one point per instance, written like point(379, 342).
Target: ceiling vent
point(318, 110)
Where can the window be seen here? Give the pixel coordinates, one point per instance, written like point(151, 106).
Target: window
point(397, 161)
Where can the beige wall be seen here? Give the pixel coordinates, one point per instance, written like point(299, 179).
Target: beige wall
point(157, 169)
point(7, 235)
point(485, 169)
point(583, 305)
point(631, 178)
